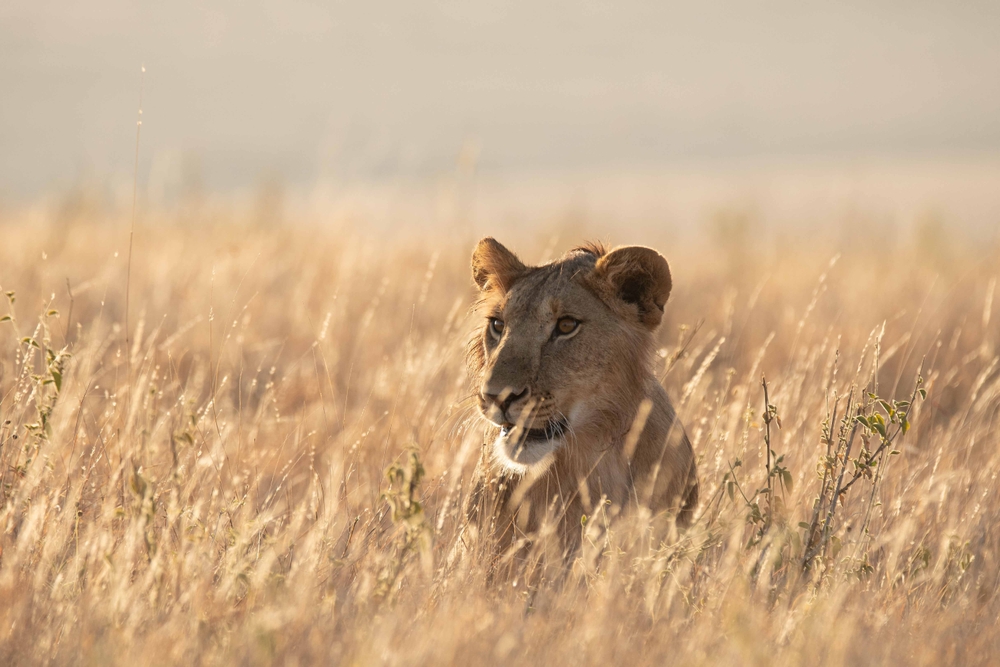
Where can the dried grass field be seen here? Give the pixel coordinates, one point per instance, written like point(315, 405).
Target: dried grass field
point(213, 456)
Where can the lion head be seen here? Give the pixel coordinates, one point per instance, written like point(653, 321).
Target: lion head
point(564, 347)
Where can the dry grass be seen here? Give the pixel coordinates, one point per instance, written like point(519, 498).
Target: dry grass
point(219, 499)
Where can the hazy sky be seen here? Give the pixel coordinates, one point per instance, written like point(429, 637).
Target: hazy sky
point(380, 88)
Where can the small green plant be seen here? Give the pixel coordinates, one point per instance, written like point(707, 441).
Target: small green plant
point(46, 384)
point(878, 424)
point(144, 507)
point(407, 513)
point(777, 477)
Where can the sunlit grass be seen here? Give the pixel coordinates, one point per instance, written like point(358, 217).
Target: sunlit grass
point(223, 497)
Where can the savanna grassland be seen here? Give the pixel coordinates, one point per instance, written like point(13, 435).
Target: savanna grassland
point(253, 445)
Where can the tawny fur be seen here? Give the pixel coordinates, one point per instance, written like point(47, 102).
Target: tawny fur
point(603, 376)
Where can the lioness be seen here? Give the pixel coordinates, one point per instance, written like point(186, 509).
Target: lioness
point(563, 370)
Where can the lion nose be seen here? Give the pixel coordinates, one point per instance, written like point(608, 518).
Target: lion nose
point(505, 398)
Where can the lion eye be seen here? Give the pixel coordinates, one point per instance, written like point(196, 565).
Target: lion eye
point(566, 325)
point(496, 327)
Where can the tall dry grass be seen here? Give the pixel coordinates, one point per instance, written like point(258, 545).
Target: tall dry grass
point(218, 494)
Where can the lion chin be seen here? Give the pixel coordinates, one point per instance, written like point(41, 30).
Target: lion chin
point(520, 450)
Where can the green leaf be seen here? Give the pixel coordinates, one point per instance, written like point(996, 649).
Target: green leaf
point(786, 479)
point(6, 318)
point(57, 379)
point(922, 392)
point(877, 423)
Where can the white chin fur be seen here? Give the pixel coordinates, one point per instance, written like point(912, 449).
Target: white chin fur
point(536, 454)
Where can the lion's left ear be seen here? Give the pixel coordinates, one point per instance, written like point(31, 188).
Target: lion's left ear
point(638, 276)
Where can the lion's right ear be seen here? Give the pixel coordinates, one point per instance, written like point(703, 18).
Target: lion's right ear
point(495, 267)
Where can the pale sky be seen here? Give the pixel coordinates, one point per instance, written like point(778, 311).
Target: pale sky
point(305, 91)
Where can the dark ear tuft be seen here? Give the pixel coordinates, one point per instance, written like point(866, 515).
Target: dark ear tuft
point(495, 267)
point(638, 276)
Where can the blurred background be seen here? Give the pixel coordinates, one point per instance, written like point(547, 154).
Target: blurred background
point(500, 112)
